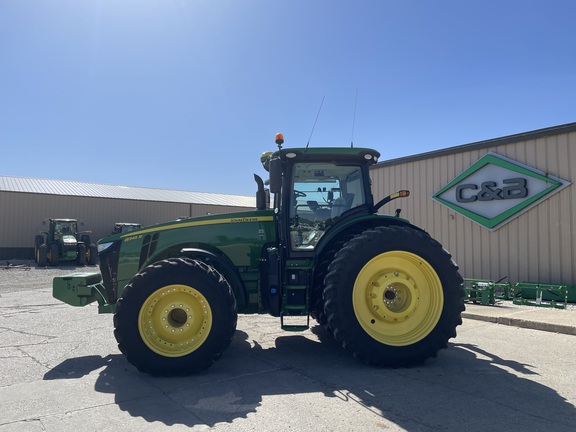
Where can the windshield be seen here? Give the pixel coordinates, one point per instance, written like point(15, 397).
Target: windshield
point(321, 193)
point(64, 228)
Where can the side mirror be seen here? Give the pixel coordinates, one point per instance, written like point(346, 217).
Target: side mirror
point(275, 175)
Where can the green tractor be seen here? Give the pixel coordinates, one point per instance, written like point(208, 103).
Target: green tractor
point(63, 242)
point(388, 292)
point(124, 227)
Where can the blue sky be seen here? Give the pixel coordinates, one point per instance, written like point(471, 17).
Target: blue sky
point(186, 94)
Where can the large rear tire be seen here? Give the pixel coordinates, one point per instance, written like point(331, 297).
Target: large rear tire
point(81, 255)
point(42, 255)
point(326, 258)
point(175, 317)
point(393, 296)
point(38, 241)
point(92, 254)
point(54, 255)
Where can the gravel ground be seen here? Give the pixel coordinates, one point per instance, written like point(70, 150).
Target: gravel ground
point(25, 275)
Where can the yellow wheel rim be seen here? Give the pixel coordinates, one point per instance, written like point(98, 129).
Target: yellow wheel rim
point(175, 320)
point(398, 298)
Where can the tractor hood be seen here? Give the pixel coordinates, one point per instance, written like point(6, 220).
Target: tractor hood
point(236, 238)
point(234, 219)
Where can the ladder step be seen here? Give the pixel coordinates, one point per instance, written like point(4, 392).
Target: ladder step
point(294, 323)
point(295, 328)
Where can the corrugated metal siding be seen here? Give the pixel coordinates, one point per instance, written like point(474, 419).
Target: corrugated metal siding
point(25, 202)
point(21, 214)
point(539, 245)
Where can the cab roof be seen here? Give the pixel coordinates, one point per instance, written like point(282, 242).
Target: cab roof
point(338, 154)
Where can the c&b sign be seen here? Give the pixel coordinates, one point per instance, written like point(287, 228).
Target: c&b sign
point(496, 189)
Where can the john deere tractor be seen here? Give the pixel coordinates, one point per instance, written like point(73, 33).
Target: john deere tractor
point(388, 292)
point(63, 242)
point(124, 227)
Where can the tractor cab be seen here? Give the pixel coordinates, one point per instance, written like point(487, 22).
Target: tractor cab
point(315, 188)
point(318, 192)
point(124, 227)
point(65, 229)
point(64, 232)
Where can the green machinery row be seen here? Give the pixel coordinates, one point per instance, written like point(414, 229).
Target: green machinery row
point(486, 292)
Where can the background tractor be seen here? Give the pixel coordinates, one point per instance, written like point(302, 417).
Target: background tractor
point(63, 242)
point(387, 291)
point(124, 227)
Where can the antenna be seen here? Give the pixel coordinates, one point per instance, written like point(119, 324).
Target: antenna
point(312, 131)
point(354, 120)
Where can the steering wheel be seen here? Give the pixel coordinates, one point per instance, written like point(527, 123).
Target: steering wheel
point(298, 194)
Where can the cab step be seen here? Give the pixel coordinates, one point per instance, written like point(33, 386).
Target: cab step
point(294, 323)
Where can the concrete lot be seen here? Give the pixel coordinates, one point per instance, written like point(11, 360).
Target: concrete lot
point(61, 371)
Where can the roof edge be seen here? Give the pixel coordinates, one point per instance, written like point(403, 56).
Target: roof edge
point(524, 136)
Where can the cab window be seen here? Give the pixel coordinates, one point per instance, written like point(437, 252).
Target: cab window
point(321, 193)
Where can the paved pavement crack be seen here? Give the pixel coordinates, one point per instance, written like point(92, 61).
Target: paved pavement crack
point(26, 421)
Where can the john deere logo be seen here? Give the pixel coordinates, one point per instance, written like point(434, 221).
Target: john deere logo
point(495, 190)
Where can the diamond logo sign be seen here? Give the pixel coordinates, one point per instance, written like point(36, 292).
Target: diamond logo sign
point(496, 190)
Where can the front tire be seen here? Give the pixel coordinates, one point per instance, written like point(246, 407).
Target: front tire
point(175, 317)
point(393, 296)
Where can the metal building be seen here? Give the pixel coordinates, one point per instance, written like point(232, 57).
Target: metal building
point(504, 208)
point(26, 202)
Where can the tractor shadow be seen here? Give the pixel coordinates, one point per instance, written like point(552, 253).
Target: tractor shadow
point(465, 387)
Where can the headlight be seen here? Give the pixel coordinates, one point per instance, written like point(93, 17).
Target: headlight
point(103, 246)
